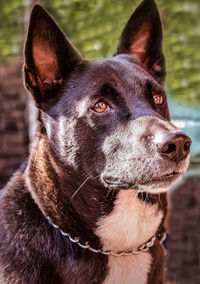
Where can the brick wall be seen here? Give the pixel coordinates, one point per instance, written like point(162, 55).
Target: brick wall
point(13, 120)
point(183, 261)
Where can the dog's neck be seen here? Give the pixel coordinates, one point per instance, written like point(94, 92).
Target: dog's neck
point(56, 185)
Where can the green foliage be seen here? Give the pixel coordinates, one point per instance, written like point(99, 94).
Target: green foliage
point(182, 48)
point(11, 27)
point(94, 26)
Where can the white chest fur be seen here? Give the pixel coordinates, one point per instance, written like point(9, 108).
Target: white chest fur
point(130, 224)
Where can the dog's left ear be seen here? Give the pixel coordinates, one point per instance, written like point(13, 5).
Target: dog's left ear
point(49, 57)
point(142, 37)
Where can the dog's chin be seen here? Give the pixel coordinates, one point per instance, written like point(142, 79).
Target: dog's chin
point(154, 185)
point(161, 184)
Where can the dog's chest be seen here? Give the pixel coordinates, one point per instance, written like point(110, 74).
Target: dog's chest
point(130, 224)
point(129, 270)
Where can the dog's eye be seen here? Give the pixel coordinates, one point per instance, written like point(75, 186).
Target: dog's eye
point(158, 99)
point(101, 107)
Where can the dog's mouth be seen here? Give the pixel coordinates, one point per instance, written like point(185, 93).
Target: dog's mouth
point(166, 178)
point(110, 181)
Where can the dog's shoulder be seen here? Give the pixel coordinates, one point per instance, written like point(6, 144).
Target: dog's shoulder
point(20, 223)
point(32, 250)
point(13, 193)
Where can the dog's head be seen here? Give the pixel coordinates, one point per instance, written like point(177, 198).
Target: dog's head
point(107, 119)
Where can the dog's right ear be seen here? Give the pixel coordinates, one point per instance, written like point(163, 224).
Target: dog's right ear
point(49, 56)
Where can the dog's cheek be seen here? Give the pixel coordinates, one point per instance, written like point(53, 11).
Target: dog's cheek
point(78, 143)
point(89, 158)
point(61, 137)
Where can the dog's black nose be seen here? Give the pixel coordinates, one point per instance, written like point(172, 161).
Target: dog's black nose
point(176, 147)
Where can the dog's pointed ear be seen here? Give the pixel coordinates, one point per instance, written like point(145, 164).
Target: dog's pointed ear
point(49, 56)
point(142, 37)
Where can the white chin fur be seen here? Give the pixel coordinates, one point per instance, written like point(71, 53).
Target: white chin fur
point(159, 187)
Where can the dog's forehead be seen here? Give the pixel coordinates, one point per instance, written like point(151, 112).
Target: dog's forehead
point(122, 72)
point(129, 69)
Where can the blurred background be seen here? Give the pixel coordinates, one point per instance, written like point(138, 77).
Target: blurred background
point(94, 26)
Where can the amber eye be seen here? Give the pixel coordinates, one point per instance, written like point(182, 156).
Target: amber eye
point(101, 107)
point(158, 99)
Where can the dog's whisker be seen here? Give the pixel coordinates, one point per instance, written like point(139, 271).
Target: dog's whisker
point(84, 184)
point(160, 200)
point(80, 187)
point(147, 196)
point(144, 197)
point(96, 177)
point(109, 191)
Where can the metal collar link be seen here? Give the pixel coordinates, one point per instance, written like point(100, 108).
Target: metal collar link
point(145, 247)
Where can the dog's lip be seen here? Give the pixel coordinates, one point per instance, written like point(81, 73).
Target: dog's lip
point(110, 181)
point(115, 182)
point(165, 177)
point(170, 175)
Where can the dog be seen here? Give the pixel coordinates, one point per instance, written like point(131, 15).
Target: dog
point(89, 204)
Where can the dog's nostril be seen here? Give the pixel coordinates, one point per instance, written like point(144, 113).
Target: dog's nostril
point(187, 145)
point(175, 147)
point(170, 148)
